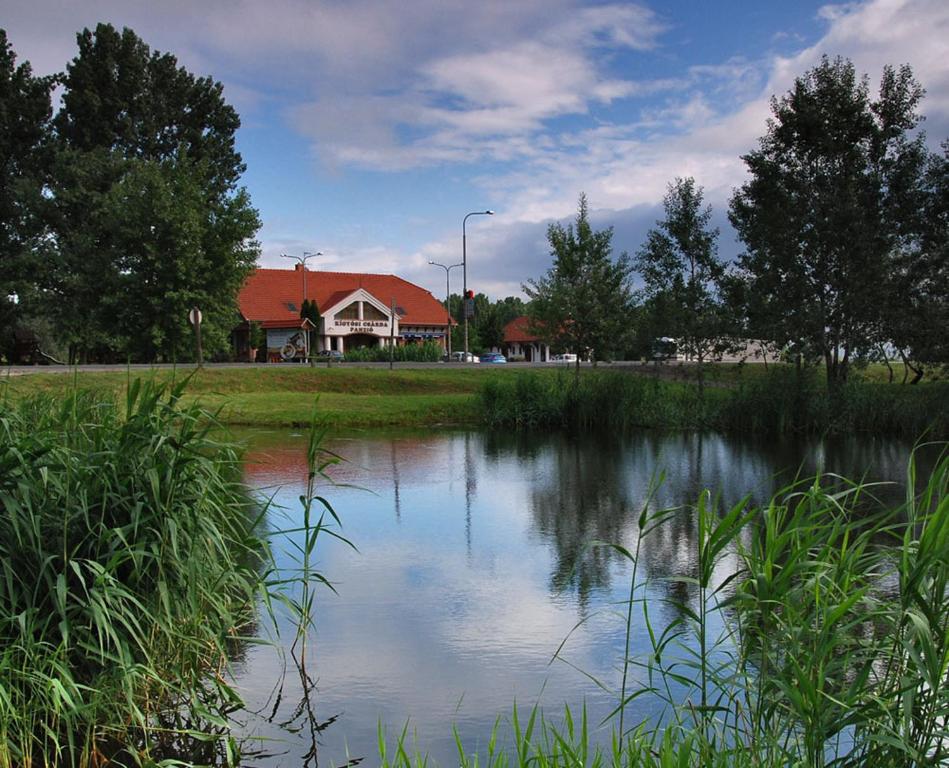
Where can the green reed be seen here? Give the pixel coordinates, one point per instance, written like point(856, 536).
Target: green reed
point(782, 401)
point(131, 562)
point(815, 633)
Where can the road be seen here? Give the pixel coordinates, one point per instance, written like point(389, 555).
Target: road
point(19, 370)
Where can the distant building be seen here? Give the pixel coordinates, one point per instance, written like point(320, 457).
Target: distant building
point(355, 311)
point(519, 342)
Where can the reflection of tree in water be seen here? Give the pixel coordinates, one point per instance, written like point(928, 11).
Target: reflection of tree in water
point(583, 498)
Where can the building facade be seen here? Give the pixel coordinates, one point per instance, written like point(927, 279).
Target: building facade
point(356, 310)
point(520, 343)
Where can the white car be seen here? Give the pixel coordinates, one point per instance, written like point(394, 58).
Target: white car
point(459, 357)
point(566, 357)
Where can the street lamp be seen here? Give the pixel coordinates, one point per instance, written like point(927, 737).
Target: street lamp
point(464, 270)
point(301, 260)
point(447, 300)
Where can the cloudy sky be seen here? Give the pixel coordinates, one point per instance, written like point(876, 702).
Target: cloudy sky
point(371, 127)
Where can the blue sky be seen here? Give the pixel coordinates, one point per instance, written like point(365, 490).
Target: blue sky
point(370, 127)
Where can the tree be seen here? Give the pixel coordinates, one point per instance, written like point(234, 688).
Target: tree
point(24, 166)
point(149, 219)
point(917, 314)
point(583, 302)
point(821, 215)
point(311, 311)
point(682, 274)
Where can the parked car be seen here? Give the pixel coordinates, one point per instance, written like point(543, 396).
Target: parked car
point(459, 357)
point(493, 357)
point(566, 357)
point(330, 356)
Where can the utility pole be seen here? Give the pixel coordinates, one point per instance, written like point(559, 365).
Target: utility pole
point(447, 302)
point(464, 268)
point(301, 260)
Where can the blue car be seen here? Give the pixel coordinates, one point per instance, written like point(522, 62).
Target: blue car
point(493, 357)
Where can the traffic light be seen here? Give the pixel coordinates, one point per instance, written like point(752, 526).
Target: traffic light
point(469, 294)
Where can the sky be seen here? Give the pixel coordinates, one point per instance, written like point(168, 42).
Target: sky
point(371, 127)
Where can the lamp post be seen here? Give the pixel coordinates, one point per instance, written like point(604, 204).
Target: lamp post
point(301, 260)
point(464, 270)
point(447, 301)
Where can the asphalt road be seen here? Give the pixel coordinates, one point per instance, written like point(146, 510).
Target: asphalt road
point(18, 370)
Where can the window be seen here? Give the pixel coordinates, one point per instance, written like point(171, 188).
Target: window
point(349, 313)
point(369, 312)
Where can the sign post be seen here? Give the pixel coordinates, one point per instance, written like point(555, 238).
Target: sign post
point(194, 317)
point(392, 334)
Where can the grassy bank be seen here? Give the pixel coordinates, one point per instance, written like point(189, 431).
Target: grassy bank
point(285, 395)
point(130, 567)
point(777, 402)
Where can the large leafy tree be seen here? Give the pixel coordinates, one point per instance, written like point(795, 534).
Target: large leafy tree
point(916, 316)
point(24, 166)
point(822, 213)
point(583, 302)
point(682, 274)
point(150, 219)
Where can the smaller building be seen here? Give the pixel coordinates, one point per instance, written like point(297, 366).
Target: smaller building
point(519, 342)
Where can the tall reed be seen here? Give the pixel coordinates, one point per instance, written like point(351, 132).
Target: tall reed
point(130, 565)
point(780, 402)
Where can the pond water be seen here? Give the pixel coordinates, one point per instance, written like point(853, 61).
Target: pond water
point(473, 566)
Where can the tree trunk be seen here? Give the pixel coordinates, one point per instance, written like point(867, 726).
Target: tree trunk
point(886, 361)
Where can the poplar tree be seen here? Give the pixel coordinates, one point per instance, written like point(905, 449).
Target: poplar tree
point(682, 274)
point(583, 303)
point(826, 210)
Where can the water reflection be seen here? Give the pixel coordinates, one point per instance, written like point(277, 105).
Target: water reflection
point(474, 563)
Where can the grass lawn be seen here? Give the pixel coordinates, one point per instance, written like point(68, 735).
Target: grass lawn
point(287, 396)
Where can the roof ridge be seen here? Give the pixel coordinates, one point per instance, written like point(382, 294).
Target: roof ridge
point(293, 270)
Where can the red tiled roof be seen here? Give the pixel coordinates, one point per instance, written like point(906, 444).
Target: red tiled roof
point(517, 330)
point(267, 292)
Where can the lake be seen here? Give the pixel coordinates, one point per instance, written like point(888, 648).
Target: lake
point(474, 565)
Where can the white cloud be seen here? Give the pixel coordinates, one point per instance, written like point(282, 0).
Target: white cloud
point(533, 87)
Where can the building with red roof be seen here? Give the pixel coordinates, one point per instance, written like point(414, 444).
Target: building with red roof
point(519, 342)
point(356, 310)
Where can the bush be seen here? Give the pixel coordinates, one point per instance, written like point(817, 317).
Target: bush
point(427, 352)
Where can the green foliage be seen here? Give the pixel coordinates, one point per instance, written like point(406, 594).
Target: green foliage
point(24, 165)
point(257, 336)
point(917, 309)
point(828, 210)
point(147, 217)
point(486, 328)
point(583, 302)
point(593, 400)
point(682, 274)
point(129, 564)
point(426, 352)
point(781, 401)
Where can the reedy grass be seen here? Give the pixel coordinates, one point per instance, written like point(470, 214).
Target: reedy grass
point(776, 402)
point(132, 565)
